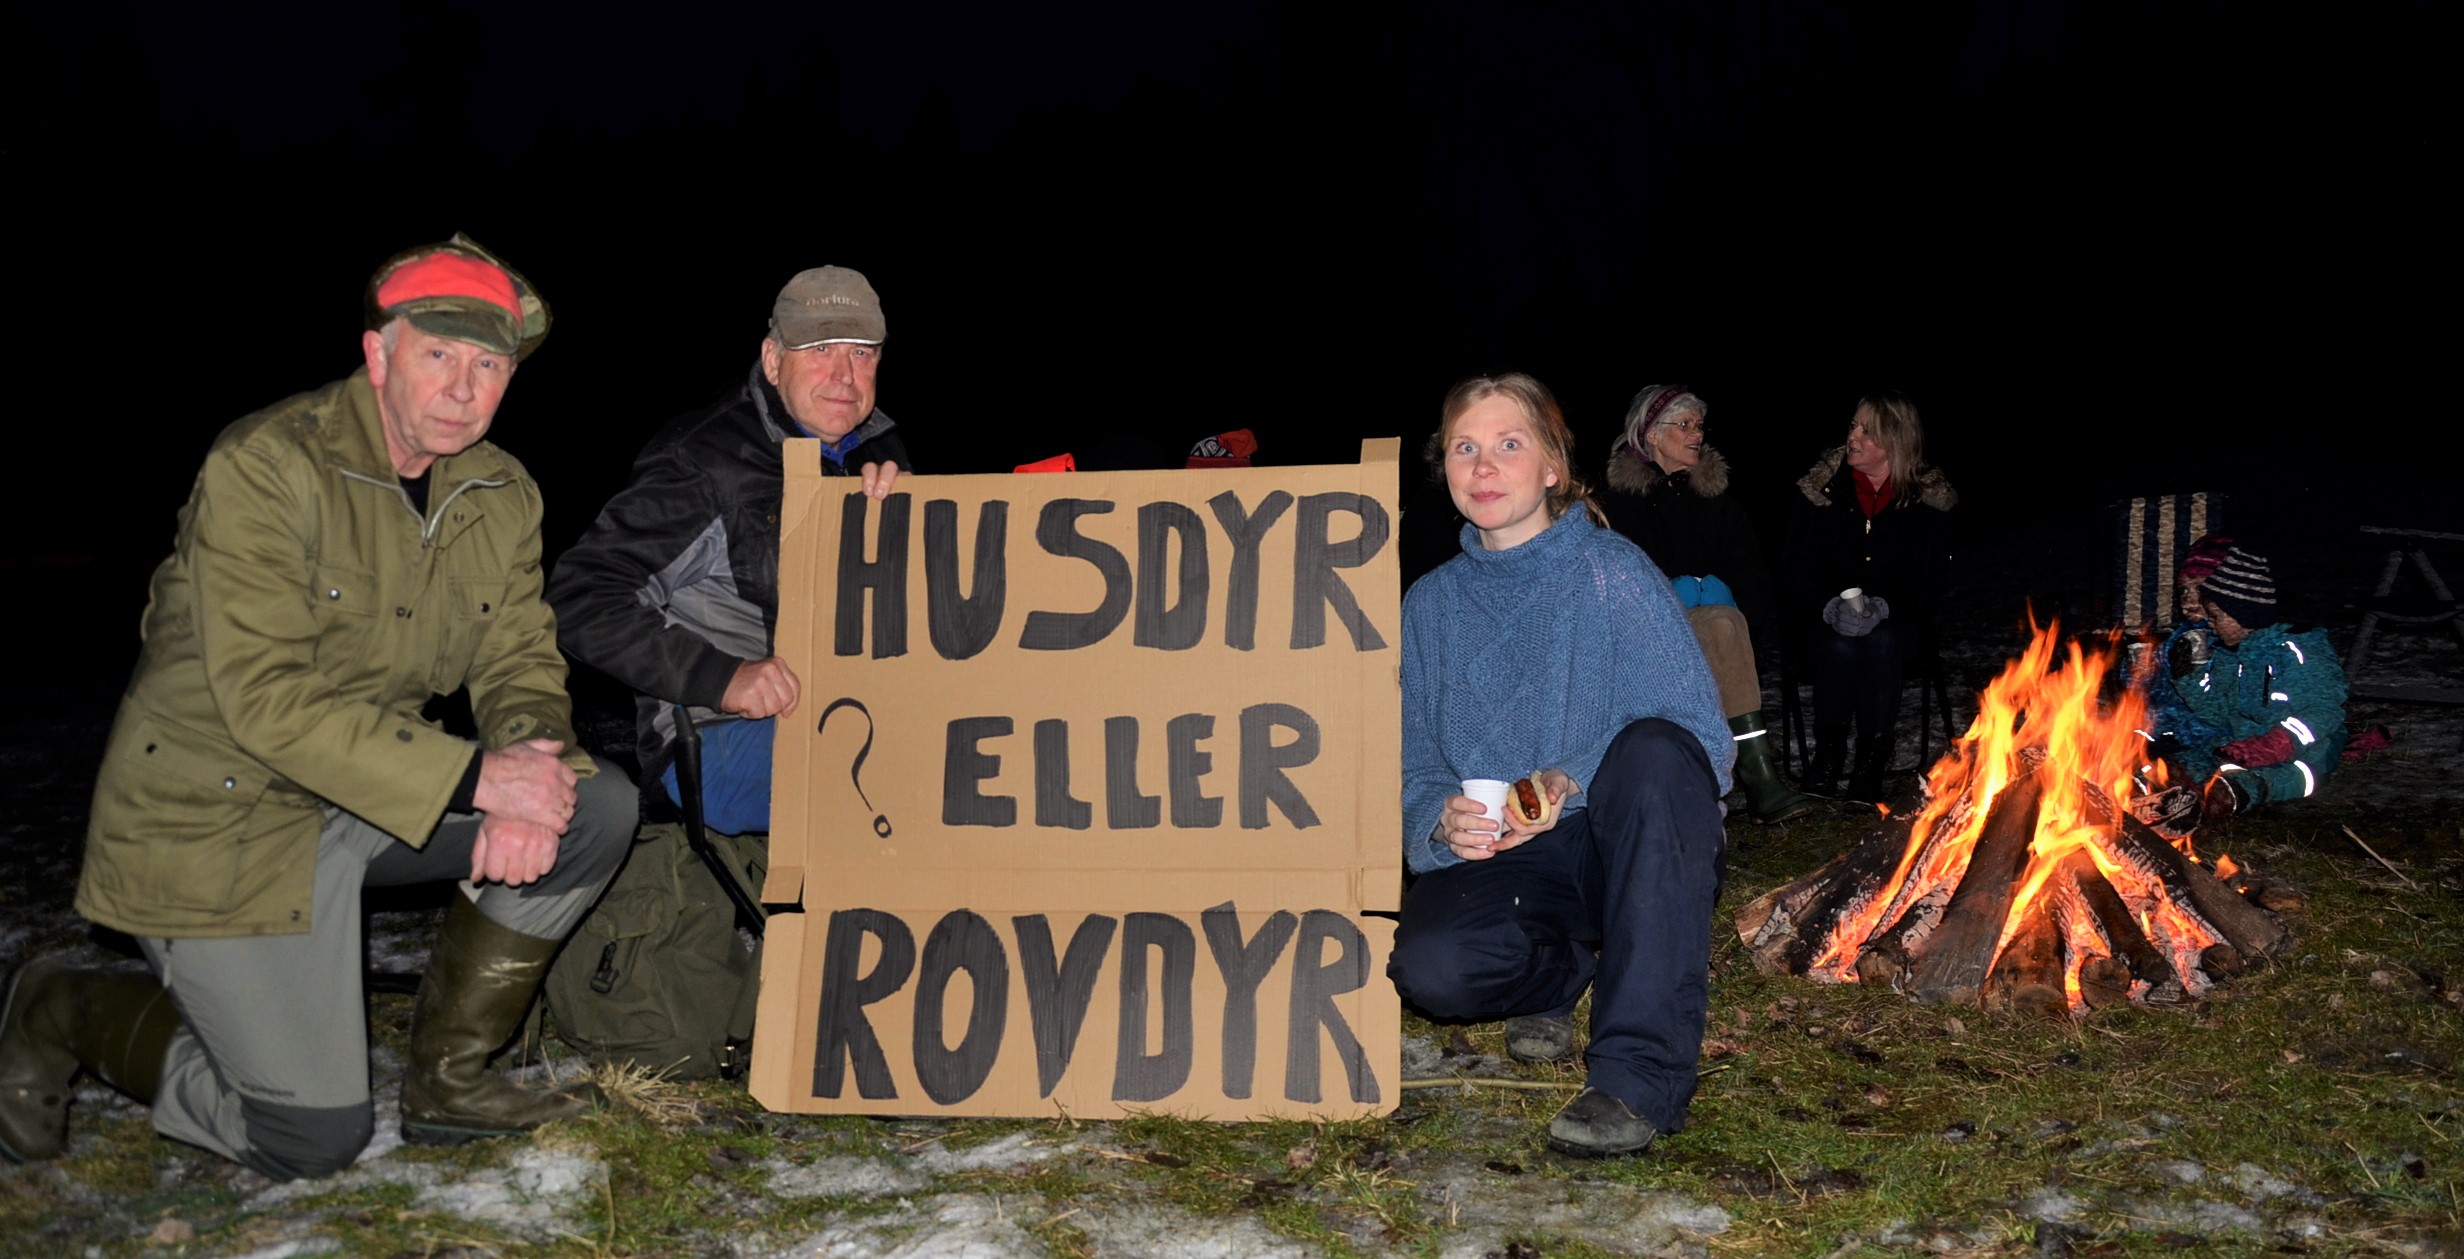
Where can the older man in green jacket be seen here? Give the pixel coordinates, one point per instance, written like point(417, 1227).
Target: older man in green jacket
point(344, 556)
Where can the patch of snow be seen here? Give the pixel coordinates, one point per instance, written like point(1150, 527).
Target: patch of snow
point(954, 1226)
point(388, 1135)
point(531, 1193)
point(361, 1175)
point(843, 1176)
point(1018, 1149)
point(1424, 1060)
point(1939, 1239)
point(1167, 1232)
point(2202, 1218)
point(2051, 1206)
point(2301, 1228)
point(2180, 1171)
point(2259, 1183)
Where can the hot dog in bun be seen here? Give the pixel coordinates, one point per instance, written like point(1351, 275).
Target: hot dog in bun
point(1528, 805)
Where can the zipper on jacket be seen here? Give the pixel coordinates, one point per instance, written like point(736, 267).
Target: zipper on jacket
point(427, 525)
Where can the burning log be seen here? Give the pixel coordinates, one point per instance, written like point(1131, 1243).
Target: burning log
point(1956, 954)
point(1887, 954)
point(2027, 977)
point(2018, 884)
point(2248, 928)
point(1786, 927)
point(2132, 951)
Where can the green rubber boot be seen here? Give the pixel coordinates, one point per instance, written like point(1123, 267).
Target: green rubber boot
point(58, 1018)
point(472, 999)
point(1767, 796)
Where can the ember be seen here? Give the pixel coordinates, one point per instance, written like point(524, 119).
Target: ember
point(2019, 882)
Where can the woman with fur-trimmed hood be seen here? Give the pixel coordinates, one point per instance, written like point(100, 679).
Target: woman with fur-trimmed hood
point(1670, 497)
point(1873, 517)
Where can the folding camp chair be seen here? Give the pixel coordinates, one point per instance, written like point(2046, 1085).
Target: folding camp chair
point(2151, 535)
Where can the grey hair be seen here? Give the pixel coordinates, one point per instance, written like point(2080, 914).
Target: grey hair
point(1685, 402)
point(390, 335)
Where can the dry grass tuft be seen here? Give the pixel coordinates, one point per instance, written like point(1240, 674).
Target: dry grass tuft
point(650, 1094)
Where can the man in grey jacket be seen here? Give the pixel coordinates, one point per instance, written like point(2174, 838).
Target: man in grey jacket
point(673, 591)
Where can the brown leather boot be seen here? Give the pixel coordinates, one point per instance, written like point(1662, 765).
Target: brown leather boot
point(57, 1018)
point(477, 988)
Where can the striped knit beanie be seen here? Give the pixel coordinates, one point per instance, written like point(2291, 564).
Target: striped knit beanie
point(2204, 555)
point(2243, 588)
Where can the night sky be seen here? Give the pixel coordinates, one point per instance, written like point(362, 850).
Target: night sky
point(2108, 249)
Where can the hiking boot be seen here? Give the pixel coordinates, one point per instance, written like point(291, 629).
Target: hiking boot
point(1596, 1125)
point(477, 989)
point(1767, 795)
point(1537, 1038)
point(57, 1018)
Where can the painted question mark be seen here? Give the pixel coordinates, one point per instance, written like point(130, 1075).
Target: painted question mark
point(881, 821)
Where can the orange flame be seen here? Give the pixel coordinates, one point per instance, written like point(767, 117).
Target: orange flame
point(2058, 707)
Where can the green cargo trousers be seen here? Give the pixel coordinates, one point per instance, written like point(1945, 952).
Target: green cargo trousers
point(271, 1070)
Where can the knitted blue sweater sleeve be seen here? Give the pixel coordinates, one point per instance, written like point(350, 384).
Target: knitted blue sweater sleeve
point(1428, 779)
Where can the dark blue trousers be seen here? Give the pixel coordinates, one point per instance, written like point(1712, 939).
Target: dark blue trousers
point(1858, 678)
point(1616, 896)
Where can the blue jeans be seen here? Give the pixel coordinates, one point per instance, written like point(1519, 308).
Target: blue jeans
point(1617, 896)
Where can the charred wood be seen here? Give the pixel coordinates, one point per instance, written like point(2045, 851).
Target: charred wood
point(1889, 951)
point(2249, 929)
point(1784, 929)
point(2221, 961)
point(2138, 956)
point(2027, 977)
point(1952, 960)
point(2274, 895)
point(2104, 981)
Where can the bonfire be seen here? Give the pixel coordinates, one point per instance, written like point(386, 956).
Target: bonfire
point(2019, 879)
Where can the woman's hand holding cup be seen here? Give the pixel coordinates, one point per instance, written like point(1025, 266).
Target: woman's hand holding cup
point(1474, 825)
point(1477, 825)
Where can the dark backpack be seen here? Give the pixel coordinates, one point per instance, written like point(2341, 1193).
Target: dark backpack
point(660, 974)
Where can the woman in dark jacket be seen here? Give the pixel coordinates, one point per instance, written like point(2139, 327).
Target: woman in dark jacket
point(1671, 499)
point(1868, 550)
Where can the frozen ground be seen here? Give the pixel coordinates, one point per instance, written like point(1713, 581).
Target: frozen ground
point(895, 1193)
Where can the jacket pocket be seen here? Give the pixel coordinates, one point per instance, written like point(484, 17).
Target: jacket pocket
point(173, 810)
point(473, 605)
point(345, 600)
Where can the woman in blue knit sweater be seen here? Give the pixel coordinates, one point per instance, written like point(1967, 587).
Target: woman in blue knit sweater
point(1551, 644)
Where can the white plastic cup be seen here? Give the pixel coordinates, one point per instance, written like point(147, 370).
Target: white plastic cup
point(1854, 597)
point(1491, 794)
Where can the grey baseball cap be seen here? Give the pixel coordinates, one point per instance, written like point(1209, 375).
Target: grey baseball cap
point(827, 304)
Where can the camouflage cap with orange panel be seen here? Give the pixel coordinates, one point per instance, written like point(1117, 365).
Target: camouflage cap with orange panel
point(457, 289)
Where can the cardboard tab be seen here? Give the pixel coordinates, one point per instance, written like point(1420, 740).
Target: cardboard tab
point(1093, 783)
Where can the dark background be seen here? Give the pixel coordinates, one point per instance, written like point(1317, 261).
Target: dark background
point(2109, 249)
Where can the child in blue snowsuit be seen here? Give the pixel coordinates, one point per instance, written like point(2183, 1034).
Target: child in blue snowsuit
point(2265, 710)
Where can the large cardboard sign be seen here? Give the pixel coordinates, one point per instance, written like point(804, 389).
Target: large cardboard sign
point(1091, 782)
